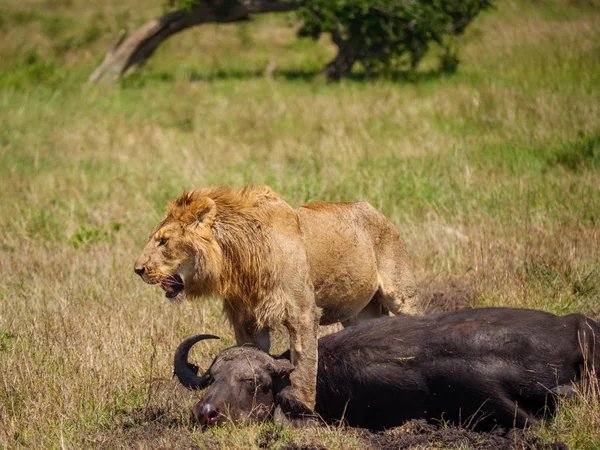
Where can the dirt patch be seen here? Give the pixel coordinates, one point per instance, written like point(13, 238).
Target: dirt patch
point(303, 447)
point(164, 422)
point(142, 429)
point(418, 434)
point(159, 430)
point(273, 438)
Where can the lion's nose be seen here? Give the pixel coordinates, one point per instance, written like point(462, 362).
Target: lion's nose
point(139, 270)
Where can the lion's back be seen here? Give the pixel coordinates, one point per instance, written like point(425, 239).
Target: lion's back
point(345, 219)
point(345, 243)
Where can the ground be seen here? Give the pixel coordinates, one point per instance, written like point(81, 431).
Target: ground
point(492, 174)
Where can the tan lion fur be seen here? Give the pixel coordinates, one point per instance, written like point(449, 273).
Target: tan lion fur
point(323, 262)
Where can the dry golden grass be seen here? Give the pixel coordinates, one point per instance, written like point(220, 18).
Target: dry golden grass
point(492, 175)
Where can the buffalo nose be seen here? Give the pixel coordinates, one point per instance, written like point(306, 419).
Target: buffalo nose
point(211, 414)
point(139, 270)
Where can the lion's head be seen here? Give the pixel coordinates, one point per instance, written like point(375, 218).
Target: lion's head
point(182, 254)
point(212, 242)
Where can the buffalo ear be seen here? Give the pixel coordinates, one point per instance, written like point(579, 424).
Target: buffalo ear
point(280, 368)
point(564, 390)
point(204, 211)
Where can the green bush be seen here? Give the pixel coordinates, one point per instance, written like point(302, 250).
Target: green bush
point(386, 34)
point(382, 35)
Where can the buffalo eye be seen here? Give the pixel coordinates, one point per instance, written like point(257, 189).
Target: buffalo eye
point(162, 241)
point(250, 382)
point(255, 384)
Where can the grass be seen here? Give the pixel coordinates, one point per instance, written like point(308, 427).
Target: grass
point(492, 174)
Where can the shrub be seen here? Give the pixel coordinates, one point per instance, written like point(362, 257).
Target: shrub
point(382, 35)
point(386, 34)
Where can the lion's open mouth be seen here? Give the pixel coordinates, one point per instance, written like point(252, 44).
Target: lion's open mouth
point(172, 286)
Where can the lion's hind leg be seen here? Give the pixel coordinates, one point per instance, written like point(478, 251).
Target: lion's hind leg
point(396, 285)
point(373, 310)
point(396, 293)
point(398, 299)
point(397, 288)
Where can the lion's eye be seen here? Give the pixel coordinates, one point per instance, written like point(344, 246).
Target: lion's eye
point(162, 241)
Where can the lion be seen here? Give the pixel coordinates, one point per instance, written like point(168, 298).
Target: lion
point(273, 265)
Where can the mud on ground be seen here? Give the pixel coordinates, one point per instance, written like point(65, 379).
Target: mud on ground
point(160, 429)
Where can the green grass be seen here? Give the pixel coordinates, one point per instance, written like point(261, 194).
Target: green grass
point(492, 174)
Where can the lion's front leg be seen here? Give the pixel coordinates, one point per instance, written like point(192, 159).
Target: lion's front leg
point(303, 328)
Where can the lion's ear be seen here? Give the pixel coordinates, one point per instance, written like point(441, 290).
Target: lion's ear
point(204, 211)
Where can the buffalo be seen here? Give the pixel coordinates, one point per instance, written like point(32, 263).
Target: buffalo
point(481, 368)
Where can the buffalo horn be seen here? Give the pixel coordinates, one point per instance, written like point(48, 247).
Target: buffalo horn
point(188, 373)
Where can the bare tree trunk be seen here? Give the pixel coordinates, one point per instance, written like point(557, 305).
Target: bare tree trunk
point(344, 60)
point(340, 66)
point(128, 54)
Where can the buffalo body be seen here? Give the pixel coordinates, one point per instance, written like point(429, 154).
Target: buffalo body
point(479, 367)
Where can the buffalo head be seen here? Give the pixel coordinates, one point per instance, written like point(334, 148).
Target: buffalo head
point(245, 385)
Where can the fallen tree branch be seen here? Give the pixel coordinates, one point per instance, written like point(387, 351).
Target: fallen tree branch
point(128, 54)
